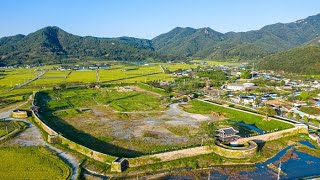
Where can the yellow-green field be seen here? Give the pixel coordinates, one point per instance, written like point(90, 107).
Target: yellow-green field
point(32, 163)
point(130, 74)
point(177, 66)
point(52, 77)
point(12, 77)
point(217, 63)
point(87, 76)
point(119, 73)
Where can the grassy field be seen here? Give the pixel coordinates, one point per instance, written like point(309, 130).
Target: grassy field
point(310, 110)
point(32, 163)
point(234, 115)
point(60, 109)
point(217, 63)
point(118, 100)
point(51, 78)
point(12, 77)
point(82, 77)
point(6, 127)
point(177, 66)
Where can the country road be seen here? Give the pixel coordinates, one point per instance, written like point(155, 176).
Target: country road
point(29, 81)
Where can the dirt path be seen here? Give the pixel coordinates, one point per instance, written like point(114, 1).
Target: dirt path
point(32, 137)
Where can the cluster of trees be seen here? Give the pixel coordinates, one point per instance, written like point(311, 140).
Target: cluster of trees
point(304, 60)
point(216, 78)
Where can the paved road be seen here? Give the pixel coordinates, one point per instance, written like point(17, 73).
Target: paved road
point(29, 81)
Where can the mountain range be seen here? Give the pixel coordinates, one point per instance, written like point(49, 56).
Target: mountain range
point(54, 45)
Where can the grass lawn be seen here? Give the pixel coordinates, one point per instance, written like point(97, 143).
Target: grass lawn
point(310, 110)
point(32, 163)
point(200, 107)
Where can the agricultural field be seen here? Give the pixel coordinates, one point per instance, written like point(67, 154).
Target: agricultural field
point(196, 106)
point(131, 74)
point(217, 63)
point(87, 76)
point(51, 78)
point(12, 77)
point(177, 66)
point(32, 163)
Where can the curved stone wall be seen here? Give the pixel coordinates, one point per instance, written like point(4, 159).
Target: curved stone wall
point(236, 152)
point(19, 114)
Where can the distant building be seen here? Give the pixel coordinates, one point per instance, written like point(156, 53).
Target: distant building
point(235, 87)
point(240, 87)
point(227, 134)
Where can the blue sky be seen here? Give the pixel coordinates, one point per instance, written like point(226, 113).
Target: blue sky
point(147, 18)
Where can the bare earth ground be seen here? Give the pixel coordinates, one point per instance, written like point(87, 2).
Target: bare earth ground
point(159, 127)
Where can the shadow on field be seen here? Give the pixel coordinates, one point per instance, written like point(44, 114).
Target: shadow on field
point(78, 136)
point(260, 144)
point(86, 139)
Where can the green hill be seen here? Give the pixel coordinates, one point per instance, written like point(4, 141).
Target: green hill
point(304, 60)
point(207, 43)
point(53, 45)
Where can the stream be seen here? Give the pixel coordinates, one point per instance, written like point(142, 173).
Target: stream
point(299, 165)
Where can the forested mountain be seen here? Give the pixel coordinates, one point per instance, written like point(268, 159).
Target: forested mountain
point(206, 43)
point(53, 45)
point(305, 59)
point(187, 41)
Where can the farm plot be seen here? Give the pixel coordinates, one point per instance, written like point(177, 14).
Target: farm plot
point(32, 163)
point(50, 79)
point(13, 77)
point(177, 66)
point(129, 74)
point(88, 76)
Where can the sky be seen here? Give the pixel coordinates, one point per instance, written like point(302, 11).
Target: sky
point(148, 18)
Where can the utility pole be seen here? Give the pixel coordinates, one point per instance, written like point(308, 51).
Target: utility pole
point(252, 71)
point(279, 172)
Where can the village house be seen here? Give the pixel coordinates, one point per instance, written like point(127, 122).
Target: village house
point(227, 134)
